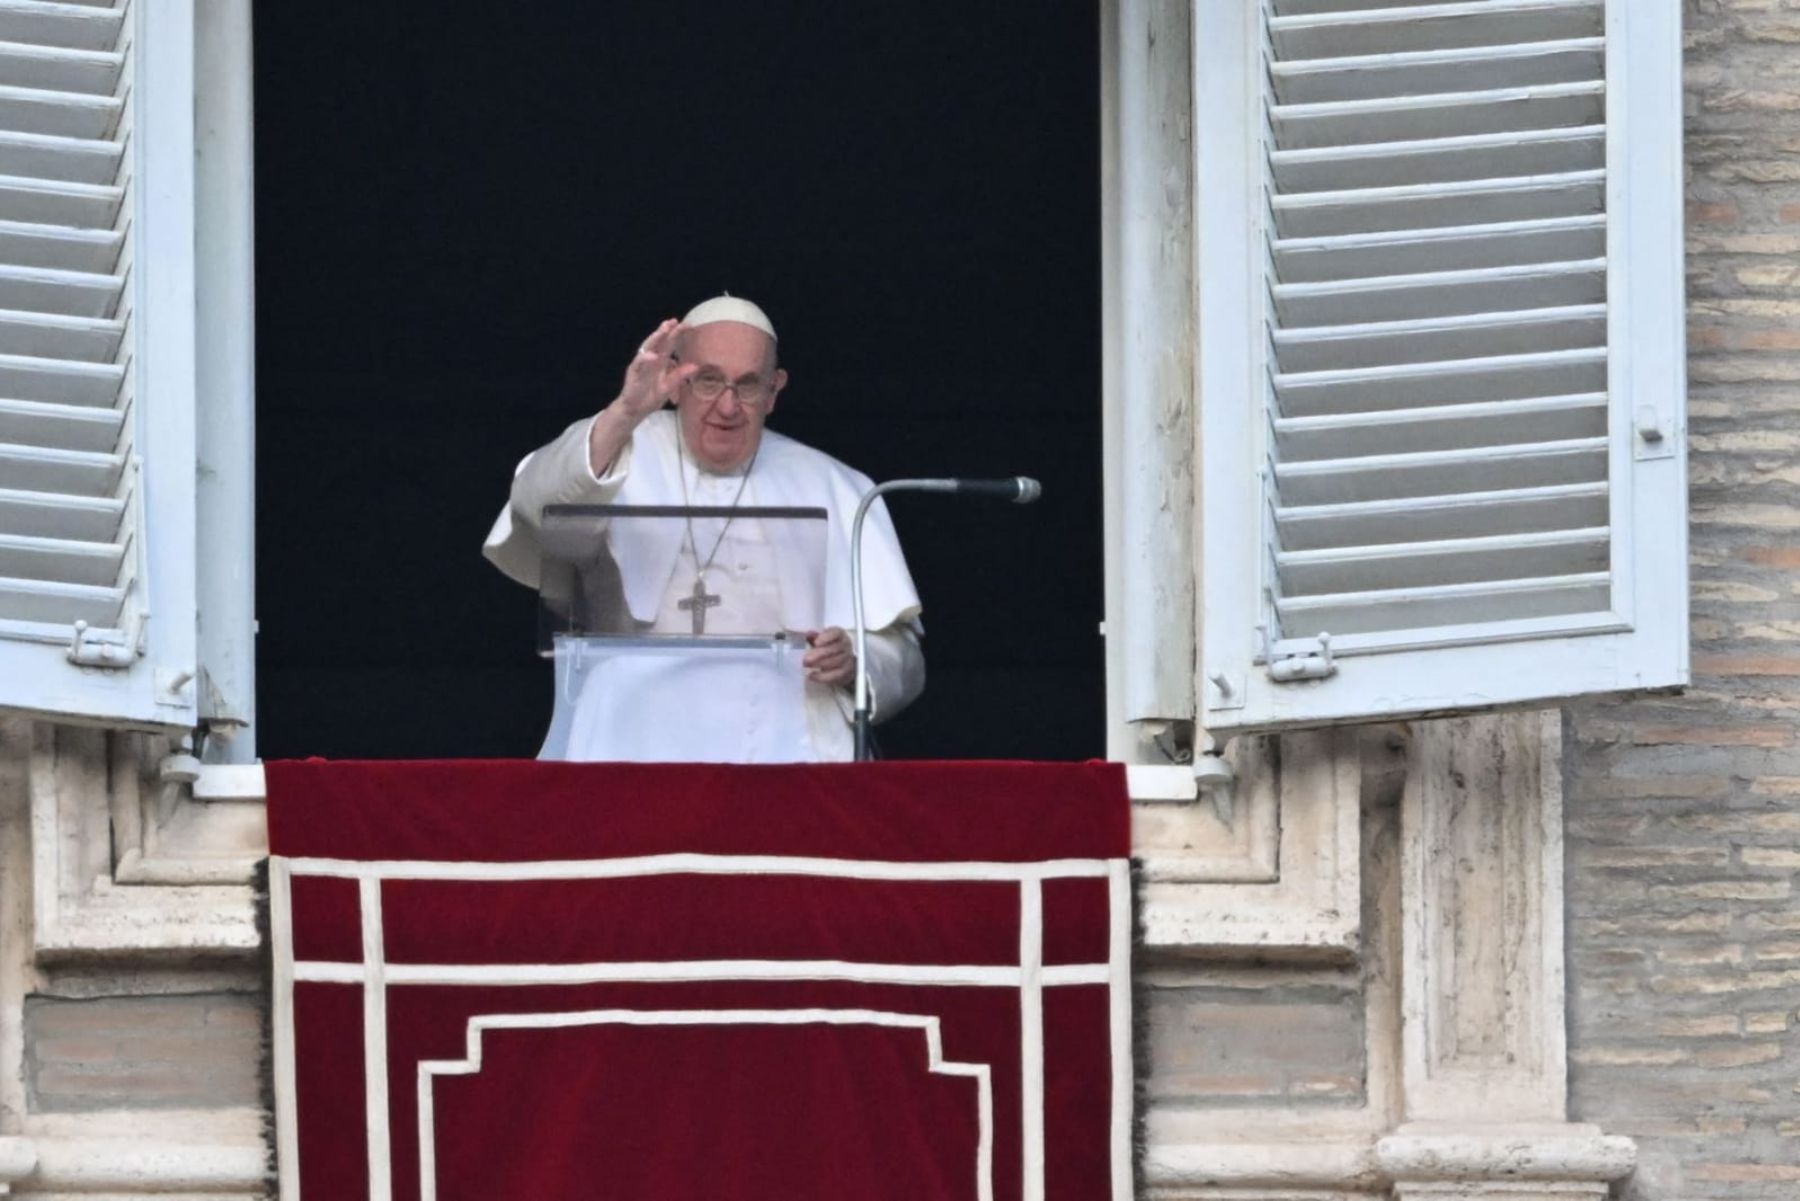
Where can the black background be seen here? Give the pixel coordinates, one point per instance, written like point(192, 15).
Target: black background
point(468, 217)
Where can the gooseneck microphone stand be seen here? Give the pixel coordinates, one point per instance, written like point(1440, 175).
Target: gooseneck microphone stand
point(1020, 490)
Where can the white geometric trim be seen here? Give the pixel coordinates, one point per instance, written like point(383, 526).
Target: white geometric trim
point(376, 975)
point(431, 1068)
point(1031, 1038)
point(287, 1117)
point(1124, 1082)
point(503, 974)
point(375, 1084)
point(693, 864)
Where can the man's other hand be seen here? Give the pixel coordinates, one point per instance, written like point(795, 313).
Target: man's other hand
point(832, 660)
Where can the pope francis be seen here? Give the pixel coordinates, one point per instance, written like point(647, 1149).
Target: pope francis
point(718, 368)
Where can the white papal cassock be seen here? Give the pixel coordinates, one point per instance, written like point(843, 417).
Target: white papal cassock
point(670, 711)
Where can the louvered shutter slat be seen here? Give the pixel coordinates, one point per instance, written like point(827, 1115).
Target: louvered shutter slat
point(1391, 78)
point(57, 69)
point(59, 247)
point(1471, 515)
point(1421, 297)
point(58, 470)
point(72, 160)
point(1463, 157)
point(53, 293)
point(56, 604)
point(1438, 473)
point(1460, 248)
point(63, 114)
point(70, 26)
point(1447, 428)
point(1345, 615)
point(1379, 343)
point(60, 515)
point(68, 427)
point(64, 381)
point(1416, 353)
point(1458, 114)
point(64, 439)
point(54, 335)
point(1427, 385)
point(50, 201)
point(1422, 206)
point(1458, 561)
point(1424, 27)
point(1293, 8)
point(59, 559)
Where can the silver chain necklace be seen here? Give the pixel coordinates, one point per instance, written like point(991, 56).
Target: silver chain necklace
point(699, 600)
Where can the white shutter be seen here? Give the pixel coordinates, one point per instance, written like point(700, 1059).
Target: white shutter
point(97, 360)
point(1442, 366)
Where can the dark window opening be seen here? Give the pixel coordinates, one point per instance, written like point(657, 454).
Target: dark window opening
point(465, 227)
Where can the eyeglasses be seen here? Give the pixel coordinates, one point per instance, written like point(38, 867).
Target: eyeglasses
point(752, 391)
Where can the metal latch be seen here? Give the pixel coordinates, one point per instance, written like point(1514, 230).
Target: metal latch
point(1308, 665)
point(106, 649)
point(1654, 440)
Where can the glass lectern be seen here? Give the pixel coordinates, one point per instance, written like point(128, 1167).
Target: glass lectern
point(678, 632)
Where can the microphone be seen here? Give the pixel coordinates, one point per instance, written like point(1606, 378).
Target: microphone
point(1020, 489)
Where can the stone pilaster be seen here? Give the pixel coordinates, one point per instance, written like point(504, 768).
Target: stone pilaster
point(1484, 1063)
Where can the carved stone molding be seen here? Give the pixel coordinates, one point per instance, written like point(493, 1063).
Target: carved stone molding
point(1558, 1162)
point(1554, 1162)
point(1483, 1046)
point(210, 832)
point(18, 1157)
point(87, 788)
point(1476, 1035)
point(1227, 836)
point(127, 862)
point(1482, 935)
point(185, 1155)
point(142, 1167)
point(1321, 1168)
point(1304, 1152)
point(1275, 872)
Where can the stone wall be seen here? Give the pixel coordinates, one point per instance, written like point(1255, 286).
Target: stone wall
point(194, 1050)
point(1684, 813)
point(1293, 1039)
point(131, 1033)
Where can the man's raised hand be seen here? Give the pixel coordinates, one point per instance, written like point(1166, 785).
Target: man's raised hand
point(650, 382)
point(653, 374)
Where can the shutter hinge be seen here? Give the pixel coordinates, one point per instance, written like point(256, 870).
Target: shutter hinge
point(106, 648)
point(1306, 665)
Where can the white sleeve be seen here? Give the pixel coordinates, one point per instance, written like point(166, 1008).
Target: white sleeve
point(896, 673)
point(556, 474)
point(560, 474)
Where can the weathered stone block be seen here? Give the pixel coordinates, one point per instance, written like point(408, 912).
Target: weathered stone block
point(194, 1051)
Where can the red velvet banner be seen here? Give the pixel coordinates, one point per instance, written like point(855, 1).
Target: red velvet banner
point(544, 980)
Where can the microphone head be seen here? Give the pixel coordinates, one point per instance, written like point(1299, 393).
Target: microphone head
point(1029, 490)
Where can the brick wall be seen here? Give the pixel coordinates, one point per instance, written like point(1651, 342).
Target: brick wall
point(194, 1051)
point(1684, 813)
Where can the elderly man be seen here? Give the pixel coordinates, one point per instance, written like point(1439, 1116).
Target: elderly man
point(718, 368)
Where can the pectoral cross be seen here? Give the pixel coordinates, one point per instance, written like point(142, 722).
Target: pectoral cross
point(697, 603)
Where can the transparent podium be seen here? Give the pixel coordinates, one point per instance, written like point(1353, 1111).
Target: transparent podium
point(678, 632)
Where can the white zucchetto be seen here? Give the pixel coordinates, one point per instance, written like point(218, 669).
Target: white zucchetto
point(729, 308)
